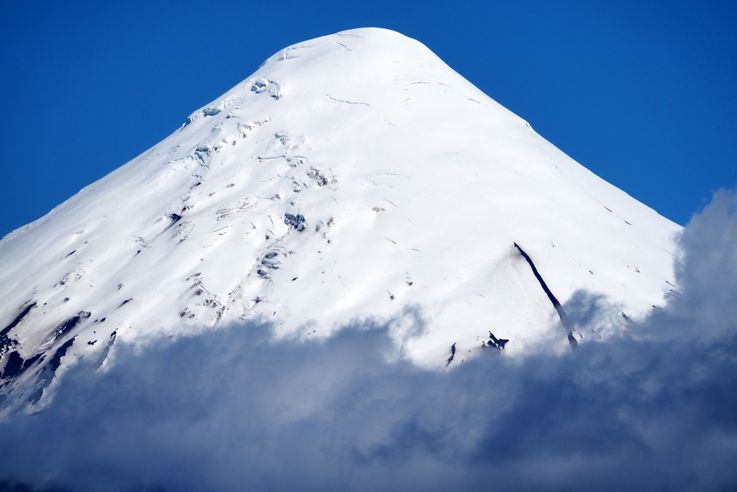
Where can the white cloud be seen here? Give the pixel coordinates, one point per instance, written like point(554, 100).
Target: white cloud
point(654, 408)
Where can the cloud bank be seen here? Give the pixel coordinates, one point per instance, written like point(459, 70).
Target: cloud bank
point(652, 408)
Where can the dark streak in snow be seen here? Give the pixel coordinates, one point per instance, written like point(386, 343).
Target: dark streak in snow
point(554, 301)
point(345, 101)
point(556, 304)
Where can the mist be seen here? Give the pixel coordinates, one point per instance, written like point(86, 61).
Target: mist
point(653, 407)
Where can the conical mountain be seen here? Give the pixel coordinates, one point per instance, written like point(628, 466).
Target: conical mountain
point(353, 177)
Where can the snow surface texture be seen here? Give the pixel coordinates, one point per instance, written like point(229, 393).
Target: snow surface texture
point(352, 178)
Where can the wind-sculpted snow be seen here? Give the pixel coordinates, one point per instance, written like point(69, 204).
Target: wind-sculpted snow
point(651, 408)
point(382, 181)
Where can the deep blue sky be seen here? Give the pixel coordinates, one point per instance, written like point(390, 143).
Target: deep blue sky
point(645, 95)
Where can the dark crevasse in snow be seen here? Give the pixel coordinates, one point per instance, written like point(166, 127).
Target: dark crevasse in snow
point(553, 300)
point(556, 304)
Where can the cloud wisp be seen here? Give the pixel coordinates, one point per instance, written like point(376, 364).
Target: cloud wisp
point(652, 408)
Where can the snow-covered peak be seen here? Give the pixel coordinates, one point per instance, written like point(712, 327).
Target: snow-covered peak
point(352, 177)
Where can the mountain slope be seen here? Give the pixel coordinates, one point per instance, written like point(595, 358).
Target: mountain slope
point(351, 177)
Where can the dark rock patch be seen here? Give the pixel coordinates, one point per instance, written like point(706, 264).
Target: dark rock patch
point(494, 342)
point(71, 323)
point(5, 341)
point(452, 355)
point(295, 221)
point(14, 365)
point(55, 360)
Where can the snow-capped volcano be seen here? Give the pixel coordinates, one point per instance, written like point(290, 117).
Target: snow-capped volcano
point(351, 177)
